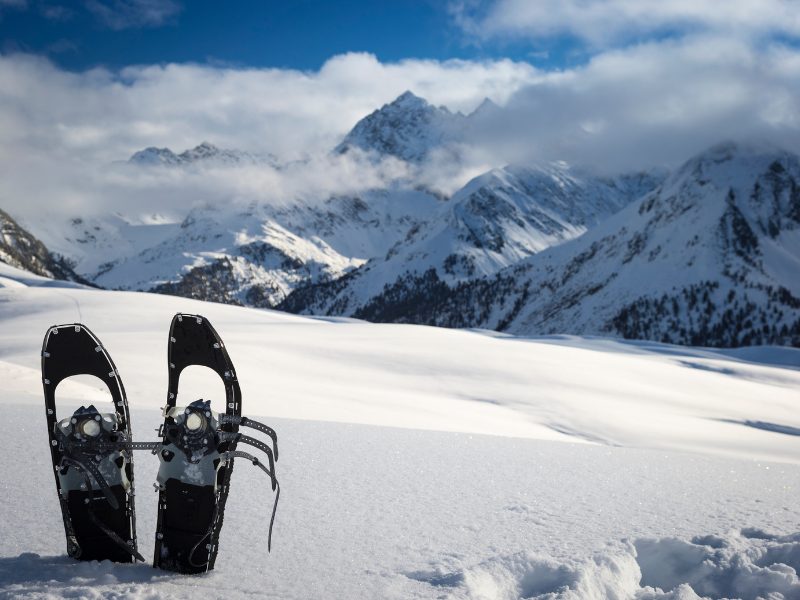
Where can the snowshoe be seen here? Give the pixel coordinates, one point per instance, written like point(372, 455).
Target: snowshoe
point(93, 467)
point(197, 453)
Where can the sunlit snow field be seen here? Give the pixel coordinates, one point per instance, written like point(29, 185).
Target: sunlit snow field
point(428, 463)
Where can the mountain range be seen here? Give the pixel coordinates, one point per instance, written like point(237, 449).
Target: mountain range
point(204, 154)
point(706, 255)
point(710, 257)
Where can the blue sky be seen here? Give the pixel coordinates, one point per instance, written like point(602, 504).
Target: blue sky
point(297, 34)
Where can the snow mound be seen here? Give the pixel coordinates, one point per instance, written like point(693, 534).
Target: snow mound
point(30, 575)
point(746, 564)
point(528, 575)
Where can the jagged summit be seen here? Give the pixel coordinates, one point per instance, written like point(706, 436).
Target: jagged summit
point(408, 100)
point(408, 128)
point(204, 153)
point(152, 156)
point(486, 107)
point(201, 151)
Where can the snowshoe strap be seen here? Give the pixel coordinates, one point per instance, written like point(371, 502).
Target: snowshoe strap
point(85, 470)
point(275, 486)
point(239, 438)
point(154, 446)
point(248, 422)
point(130, 446)
point(90, 467)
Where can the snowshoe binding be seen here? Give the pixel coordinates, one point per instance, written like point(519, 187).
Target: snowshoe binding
point(90, 451)
point(197, 453)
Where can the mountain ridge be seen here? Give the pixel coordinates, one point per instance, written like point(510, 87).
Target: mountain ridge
point(204, 153)
point(709, 258)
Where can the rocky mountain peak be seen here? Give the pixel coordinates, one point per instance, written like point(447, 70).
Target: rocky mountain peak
point(408, 128)
point(409, 101)
point(152, 156)
point(486, 107)
point(201, 151)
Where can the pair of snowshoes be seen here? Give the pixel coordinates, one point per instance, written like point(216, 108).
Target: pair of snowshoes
point(92, 452)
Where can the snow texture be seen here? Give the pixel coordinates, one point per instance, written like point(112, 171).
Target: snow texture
point(615, 470)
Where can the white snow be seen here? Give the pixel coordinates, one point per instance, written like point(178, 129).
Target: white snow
point(420, 462)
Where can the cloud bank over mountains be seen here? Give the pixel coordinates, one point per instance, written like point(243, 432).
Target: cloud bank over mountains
point(693, 77)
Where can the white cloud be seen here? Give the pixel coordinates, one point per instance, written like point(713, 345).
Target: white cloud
point(103, 115)
point(648, 104)
point(604, 22)
point(658, 103)
point(71, 126)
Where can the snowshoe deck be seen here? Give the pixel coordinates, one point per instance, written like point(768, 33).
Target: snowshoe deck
point(93, 473)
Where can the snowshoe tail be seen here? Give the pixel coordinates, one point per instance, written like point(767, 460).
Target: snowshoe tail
point(93, 471)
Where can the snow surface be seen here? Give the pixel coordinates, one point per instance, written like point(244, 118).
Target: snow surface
point(611, 469)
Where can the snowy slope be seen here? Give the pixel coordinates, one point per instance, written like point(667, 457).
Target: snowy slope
point(406, 513)
point(96, 242)
point(375, 511)
point(258, 254)
point(494, 221)
point(19, 248)
point(711, 257)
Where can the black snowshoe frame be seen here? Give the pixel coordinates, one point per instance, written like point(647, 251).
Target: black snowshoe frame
point(100, 519)
point(196, 453)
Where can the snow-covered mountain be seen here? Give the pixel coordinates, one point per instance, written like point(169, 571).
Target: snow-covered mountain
point(256, 255)
point(20, 249)
point(495, 221)
point(204, 154)
point(259, 254)
point(712, 257)
point(407, 128)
